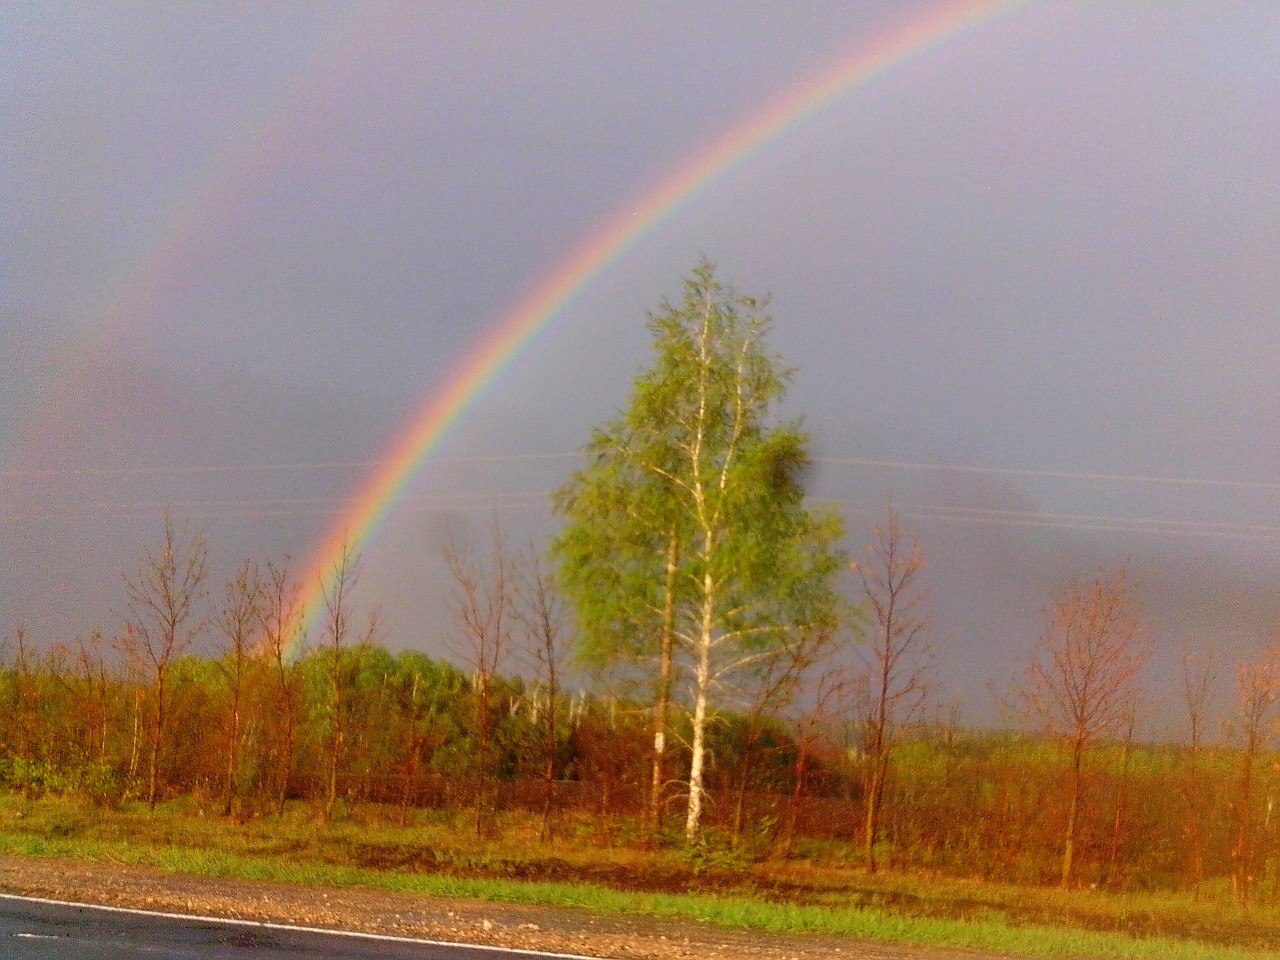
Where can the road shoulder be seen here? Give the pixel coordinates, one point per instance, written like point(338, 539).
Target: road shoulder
point(430, 918)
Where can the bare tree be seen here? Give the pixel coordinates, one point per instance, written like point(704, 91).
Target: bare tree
point(1198, 676)
point(92, 669)
point(829, 690)
point(1120, 804)
point(1258, 695)
point(239, 625)
point(163, 620)
point(540, 611)
point(336, 587)
point(767, 693)
point(22, 708)
point(484, 597)
point(282, 629)
point(1082, 680)
point(898, 658)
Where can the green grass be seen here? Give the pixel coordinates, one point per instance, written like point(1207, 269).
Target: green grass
point(443, 860)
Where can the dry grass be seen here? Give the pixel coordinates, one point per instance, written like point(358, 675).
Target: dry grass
point(440, 854)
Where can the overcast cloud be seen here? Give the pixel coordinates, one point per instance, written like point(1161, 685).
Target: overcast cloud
point(255, 238)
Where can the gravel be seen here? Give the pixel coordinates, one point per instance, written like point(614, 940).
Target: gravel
point(471, 921)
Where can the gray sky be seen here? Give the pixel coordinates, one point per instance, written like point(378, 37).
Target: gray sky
point(244, 237)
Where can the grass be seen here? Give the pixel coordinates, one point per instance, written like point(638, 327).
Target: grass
point(437, 856)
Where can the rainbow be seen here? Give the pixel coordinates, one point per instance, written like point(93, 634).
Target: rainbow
point(504, 342)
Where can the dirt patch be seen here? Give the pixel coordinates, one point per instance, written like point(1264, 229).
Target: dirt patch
point(469, 921)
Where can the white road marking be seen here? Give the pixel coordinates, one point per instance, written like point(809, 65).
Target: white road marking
point(263, 925)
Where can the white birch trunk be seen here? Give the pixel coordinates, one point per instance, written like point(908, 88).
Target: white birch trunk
point(702, 678)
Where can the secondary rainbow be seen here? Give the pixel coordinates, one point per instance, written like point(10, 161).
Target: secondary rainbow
point(254, 145)
point(504, 341)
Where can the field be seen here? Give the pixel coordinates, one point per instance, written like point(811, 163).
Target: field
point(817, 891)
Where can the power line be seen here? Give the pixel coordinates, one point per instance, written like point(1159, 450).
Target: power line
point(524, 500)
point(907, 465)
point(142, 471)
point(538, 499)
point(1132, 478)
point(1093, 523)
point(283, 506)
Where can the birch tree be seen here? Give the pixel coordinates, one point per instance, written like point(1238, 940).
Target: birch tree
point(484, 599)
point(282, 634)
point(720, 553)
point(164, 598)
point(239, 625)
point(336, 587)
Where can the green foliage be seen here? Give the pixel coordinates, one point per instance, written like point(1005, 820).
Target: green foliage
point(965, 803)
point(714, 852)
point(696, 463)
point(32, 777)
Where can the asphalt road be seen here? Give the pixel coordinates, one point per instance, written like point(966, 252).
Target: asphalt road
point(41, 930)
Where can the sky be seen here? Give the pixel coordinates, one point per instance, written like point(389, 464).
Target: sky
point(1025, 277)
